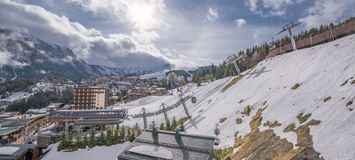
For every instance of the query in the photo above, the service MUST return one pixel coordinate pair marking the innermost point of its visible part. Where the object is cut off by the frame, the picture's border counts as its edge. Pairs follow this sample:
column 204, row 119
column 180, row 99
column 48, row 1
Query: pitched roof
column 169, row 145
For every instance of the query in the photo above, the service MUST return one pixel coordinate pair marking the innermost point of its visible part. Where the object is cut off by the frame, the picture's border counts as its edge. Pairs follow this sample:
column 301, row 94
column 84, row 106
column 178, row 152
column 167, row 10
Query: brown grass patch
column 313, row 122
column 232, row 82
column 304, row 138
column 256, row 120
column 261, row 146
column 327, row 99
column 239, row 120
column 353, row 81
column 266, row 145
column 288, row 155
column 223, row 154
column 290, row 128
column 247, row 110
column 349, row 103
column 272, row 125
column 294, row 87
column 303, row 118
column 182, row 120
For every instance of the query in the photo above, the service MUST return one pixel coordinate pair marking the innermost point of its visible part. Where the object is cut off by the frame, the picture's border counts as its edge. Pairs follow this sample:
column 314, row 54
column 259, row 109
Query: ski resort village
column 177, row 80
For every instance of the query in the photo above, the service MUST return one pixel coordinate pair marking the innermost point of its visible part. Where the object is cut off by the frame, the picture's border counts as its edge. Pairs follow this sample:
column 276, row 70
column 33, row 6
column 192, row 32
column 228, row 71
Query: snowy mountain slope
column 321, row 73
column 25, row 56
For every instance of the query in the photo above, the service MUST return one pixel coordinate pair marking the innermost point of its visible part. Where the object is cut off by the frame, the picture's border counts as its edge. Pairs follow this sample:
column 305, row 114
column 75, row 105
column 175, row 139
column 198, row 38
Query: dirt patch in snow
column 343, row 84
column 290, row 128
column 272, row 124
column 222, row 119
column 241, row 101
column 294, row 87
column 232, row 82
column 247, row 110
column 266, row 145
column 349, row 103
column 303, row 118
column 327, row 99
column 239, row 120
column 313, row 122
column 261, row 145
column 346, row 81
column 256, row 120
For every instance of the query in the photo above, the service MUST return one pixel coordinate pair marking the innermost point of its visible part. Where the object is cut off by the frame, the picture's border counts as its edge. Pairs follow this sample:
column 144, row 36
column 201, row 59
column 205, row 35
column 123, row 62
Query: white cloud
column 116, row 50
column 252, row 4
column 327, row 11
column 212, row 14
column 240, row 22
column 270, row 7
column 141, row 14
column 5, row 55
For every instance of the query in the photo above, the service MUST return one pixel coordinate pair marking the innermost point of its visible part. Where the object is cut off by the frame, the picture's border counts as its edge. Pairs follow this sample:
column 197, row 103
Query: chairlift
column 193, row 98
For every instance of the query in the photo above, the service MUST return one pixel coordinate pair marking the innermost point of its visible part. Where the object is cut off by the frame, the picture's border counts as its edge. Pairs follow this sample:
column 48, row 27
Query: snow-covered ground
column 320, row 71
column 160, row 75
column 18, row 96
column 103, row 152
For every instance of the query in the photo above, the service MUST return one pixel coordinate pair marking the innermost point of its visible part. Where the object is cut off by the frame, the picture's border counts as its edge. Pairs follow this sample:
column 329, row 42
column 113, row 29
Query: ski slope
column 321, row 72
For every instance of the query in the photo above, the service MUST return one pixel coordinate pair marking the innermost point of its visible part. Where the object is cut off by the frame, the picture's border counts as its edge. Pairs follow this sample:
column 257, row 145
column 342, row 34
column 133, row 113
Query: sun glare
column 142, row 15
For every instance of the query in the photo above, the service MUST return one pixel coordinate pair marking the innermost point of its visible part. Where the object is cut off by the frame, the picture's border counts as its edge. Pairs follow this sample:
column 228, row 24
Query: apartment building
column 90, row 98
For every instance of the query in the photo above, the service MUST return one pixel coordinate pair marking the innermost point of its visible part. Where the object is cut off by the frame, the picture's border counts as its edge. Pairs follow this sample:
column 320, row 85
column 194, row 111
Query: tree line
column 112, row 136
column 42, row 99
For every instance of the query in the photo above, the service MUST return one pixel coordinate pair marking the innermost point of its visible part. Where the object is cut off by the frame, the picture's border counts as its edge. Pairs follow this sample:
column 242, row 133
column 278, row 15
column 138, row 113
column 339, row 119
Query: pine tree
column 78, row 142
column 128, row 134
column 162, row 127
column 174, row 124
column 168, row 127
column 182, row 127
column 115, row 137
column 153, row 124
column 101, row 140
column 122, row 134
column 70, row 141
column 109, row 138
column 92, row 141
column 63, row 142
column 132, row 137
column 85, row 142
column 139, row 131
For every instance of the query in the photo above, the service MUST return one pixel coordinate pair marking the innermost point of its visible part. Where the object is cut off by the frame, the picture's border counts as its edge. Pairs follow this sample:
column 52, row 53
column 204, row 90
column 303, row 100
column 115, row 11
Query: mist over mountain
column 25, row 56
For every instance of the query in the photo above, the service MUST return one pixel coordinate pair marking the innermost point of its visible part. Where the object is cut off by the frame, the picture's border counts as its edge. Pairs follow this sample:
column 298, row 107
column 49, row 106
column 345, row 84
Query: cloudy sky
column 185, row 33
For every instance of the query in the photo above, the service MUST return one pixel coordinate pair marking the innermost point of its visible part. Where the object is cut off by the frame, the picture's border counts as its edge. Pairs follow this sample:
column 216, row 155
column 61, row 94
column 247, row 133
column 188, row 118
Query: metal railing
column 329, row 35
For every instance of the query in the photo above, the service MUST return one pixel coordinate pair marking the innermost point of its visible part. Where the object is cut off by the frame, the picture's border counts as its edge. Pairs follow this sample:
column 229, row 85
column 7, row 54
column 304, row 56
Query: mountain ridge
column 25, row 56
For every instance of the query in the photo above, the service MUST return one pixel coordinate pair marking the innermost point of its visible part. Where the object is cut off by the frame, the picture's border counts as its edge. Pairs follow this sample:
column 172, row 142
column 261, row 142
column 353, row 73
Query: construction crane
column 288, row 28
